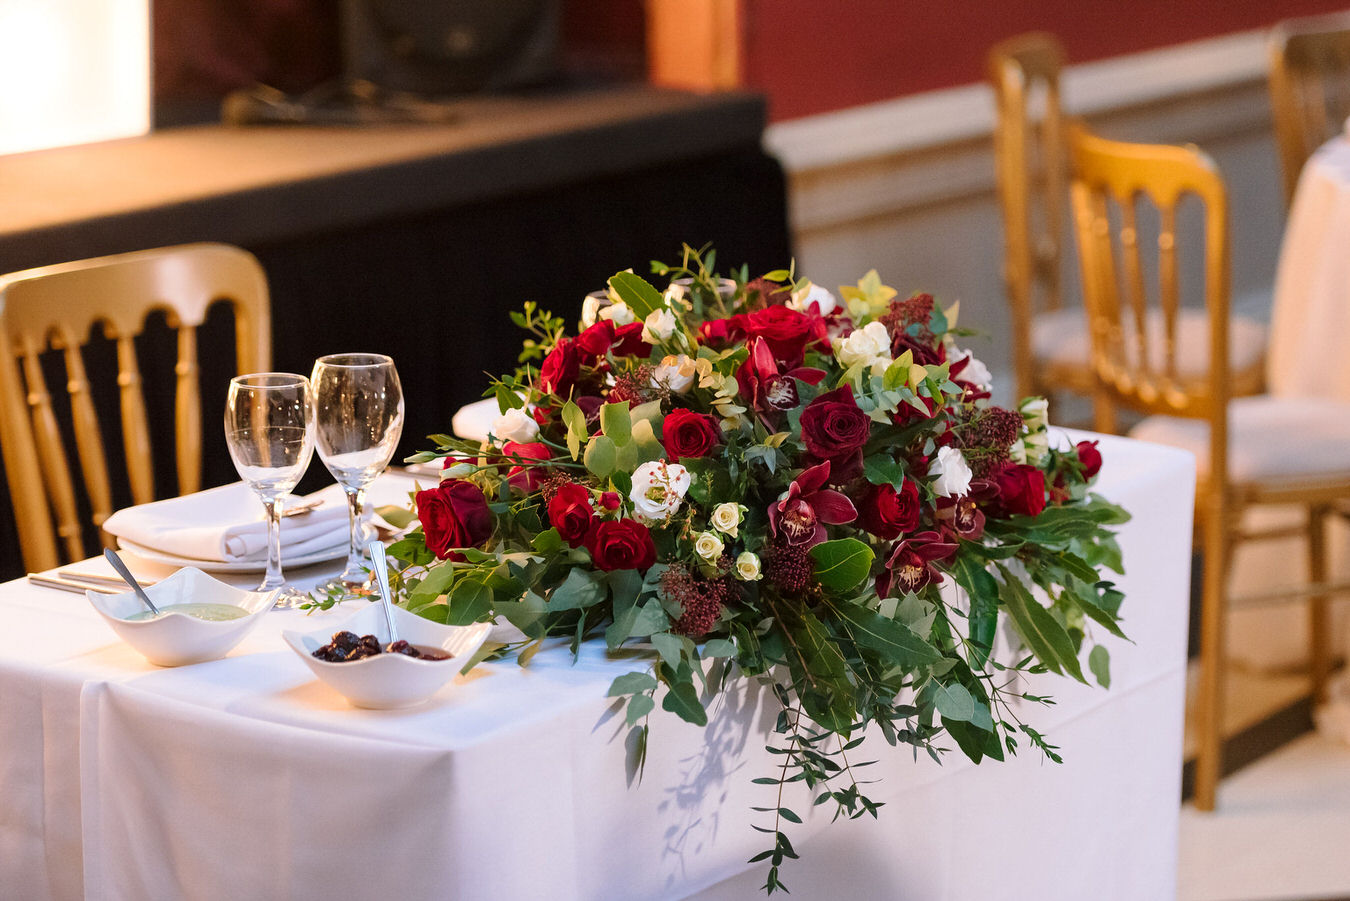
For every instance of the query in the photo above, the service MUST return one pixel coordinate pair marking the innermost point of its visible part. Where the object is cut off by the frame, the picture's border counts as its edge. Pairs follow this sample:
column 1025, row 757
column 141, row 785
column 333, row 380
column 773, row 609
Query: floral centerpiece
column 759, row 480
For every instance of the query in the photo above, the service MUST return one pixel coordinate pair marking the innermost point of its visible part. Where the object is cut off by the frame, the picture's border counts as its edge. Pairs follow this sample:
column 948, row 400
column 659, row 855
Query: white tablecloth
column 245, row 778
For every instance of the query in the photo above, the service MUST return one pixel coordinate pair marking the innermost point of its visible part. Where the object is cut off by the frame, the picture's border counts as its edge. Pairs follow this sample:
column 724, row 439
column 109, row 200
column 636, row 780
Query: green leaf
column 616, row 423
column 682, row 700
column 631, row 684
column 954, row 702
column 1099, row 661
column 601, row 457
column 820, row 670
column 982, row 588
column 547, row 542
column 579, row 590
column 526, row 614
column 650, row 619
column 575, row 420
column 719, row 647
column 396, row 516
column 881, row 469
column 843, row 564
column 638, row 707
column 635, row 291
column 897, row 643
column 974, row 742
column 469, row 602
column 670, row 647
column 1042, row 633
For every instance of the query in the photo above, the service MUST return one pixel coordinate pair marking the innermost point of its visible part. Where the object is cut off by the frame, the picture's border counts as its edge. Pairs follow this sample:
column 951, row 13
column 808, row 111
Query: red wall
column 812, row 56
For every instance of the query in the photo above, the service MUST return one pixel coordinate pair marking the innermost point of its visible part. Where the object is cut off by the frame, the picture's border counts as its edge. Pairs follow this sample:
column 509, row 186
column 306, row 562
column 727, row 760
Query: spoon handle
column 380, row 564
column 117, row 564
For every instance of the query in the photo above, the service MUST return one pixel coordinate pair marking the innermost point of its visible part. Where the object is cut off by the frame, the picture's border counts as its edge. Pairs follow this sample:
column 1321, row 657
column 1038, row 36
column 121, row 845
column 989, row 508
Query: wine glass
column 269, row 428
column 359, row 418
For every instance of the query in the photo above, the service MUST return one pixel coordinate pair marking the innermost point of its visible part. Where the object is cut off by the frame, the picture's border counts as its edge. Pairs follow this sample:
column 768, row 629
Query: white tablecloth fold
column 226, row 524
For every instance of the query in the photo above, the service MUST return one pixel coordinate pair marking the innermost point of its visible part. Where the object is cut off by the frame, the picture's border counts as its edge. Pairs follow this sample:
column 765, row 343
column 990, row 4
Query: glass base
column 290, row 598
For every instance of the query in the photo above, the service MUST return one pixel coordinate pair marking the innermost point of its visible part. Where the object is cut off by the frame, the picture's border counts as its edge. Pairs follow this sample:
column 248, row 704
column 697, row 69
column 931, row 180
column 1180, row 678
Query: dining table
column 244, row 778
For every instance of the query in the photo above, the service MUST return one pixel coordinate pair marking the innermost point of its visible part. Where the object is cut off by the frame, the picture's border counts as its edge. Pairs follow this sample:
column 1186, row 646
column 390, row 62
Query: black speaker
column 440, row 47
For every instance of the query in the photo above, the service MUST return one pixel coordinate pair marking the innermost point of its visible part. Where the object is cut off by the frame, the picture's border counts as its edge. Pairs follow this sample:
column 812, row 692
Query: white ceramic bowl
column 176, row 639
column 390, row 680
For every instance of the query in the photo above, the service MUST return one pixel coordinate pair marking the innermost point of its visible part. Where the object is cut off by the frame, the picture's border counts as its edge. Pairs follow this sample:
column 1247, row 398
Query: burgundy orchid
column 912, row 564
column 799, row 517
column 767, row 388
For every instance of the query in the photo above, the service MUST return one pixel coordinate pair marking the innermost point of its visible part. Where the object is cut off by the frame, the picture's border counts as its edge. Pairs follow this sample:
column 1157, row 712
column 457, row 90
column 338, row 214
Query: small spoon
column 380, row 564
column 126, row 575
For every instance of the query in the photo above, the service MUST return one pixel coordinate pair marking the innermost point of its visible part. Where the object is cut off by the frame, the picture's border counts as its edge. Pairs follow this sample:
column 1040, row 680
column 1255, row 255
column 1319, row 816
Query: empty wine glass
column 359, row 418
column 269, row 428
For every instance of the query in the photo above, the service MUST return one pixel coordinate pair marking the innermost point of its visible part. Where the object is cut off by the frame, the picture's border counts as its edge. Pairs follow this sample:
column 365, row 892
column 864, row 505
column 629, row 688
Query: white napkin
column 226, row 524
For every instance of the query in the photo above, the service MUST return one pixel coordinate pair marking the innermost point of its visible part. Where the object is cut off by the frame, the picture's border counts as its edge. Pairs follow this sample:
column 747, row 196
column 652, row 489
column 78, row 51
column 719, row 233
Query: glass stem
column 355, row 573
column 273, row 579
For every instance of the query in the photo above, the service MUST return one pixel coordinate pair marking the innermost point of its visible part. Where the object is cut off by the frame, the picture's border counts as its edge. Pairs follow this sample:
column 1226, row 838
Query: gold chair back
column 1029, row 157
column 1309, row 88
column 56, row 308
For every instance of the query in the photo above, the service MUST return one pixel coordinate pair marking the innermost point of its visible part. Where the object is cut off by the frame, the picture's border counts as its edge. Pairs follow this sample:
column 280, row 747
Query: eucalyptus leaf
column 638, row 707
column 1099, row 661
column 601, row 457
column 682, row 700
column 616, row 423
column 631, row 684
column 954, row 702
column 670, row 647
column 1041, row 632
column 898, row 644
column 581, row 589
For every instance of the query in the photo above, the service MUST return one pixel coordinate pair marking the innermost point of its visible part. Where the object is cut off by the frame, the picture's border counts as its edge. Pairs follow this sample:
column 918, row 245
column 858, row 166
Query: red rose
column 718, row 333
column 1090, row 457
column 688, row 434
column 1021, row 489
column 527, row 471
column 832, row 425
column 621, row 544
column 610, row 500
column 454, row 514
column 628, row 341
column 596, row 340
column 570, row 513
column 560, row 369
column 888, row 513
column 786, row 331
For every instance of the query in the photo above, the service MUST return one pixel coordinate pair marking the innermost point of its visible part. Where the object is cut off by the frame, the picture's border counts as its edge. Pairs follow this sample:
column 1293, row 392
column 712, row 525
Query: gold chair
column 1249, row 450
column 1309, row 88
column 56, row 308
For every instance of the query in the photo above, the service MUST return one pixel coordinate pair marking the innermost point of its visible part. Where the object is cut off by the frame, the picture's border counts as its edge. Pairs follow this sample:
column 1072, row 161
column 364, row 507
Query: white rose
column 726, row 518
column 676, row 373
column 864, row 345
column 618, row 313
column 590, row 308
column 658, row 326
column 1034, row 412
column 675, row 294
column 1017, row 451
column 1037, row 446
column 953, row 474
column 747, row 567
column 658, row 489
column 826, row 303
column 515, row 425
column 708, row 545
column 975, row 372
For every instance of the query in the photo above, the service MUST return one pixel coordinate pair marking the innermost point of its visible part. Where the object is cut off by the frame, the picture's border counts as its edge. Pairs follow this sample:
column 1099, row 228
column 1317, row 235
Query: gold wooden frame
column 1113, row 174
column 57, row 307
column 1309, row 88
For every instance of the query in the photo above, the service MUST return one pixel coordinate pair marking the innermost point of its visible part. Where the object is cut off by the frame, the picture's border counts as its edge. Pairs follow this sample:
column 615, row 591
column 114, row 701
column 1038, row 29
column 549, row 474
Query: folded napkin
column 226, row 524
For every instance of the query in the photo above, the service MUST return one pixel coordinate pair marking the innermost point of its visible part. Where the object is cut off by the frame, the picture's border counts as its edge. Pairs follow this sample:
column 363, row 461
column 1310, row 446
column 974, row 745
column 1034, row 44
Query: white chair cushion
column 1269, row 438
column 1061, row 338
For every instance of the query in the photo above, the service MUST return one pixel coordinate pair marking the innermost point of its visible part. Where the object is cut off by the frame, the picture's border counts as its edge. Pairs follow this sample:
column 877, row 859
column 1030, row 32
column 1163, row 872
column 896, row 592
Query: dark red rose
column 610, row 500
column 786, row 331
column 888, row 513
column 527, row 469
column 926, row 352
column 560, row 369
column 718, row 333
column 571, row 514
column 688, row 434
column 621, row 544
column 595, row 341
column 1090, row 457
column 454, row 514
column 1021, row 489
column 628, row 341
column 832, row 425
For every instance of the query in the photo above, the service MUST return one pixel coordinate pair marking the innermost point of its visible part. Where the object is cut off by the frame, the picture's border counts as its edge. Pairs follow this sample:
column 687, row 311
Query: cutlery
column 117, row 564
column 63, row 585
column 380, row 565
column 98, row 578
column 301, row 509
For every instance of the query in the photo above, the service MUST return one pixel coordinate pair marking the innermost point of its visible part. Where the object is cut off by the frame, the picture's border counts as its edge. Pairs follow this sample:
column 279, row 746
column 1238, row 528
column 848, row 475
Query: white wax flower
column 658, row 326
column 726, row 518
column 866, row 345
column 515, row 425
column 676, row 373
column 708, row 545
column 658, row 489
column 747, row 567
column 1037, row 446
column 952, row 471
column 1035, row 413
column 826, row 303
column 618, row 313
column 590, row 311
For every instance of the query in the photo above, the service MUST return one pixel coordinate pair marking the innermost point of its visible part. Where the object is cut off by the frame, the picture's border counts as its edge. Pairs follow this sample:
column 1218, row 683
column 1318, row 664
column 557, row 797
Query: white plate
column 337, row 552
